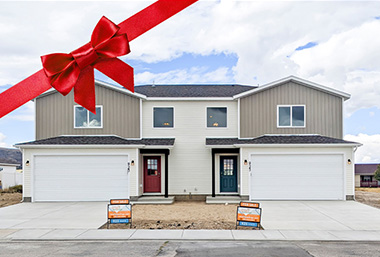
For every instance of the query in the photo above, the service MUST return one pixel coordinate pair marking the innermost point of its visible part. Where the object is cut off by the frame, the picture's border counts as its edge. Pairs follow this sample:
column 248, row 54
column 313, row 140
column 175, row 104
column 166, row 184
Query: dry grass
column 369, row 189
column 9, row 198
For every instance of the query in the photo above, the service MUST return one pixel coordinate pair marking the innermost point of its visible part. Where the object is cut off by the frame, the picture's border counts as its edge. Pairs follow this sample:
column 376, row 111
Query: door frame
column 161, row 165
column 217, row 174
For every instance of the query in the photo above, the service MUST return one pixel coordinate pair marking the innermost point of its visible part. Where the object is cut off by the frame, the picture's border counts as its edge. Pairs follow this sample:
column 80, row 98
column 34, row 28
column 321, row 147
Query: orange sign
column 119, row 211
column 249, row 214
column 120, row 201
column 249, row 204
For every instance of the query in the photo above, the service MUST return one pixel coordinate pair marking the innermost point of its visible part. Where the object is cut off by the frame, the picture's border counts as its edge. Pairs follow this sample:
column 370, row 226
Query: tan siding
column 121, row 115
column 258, row 113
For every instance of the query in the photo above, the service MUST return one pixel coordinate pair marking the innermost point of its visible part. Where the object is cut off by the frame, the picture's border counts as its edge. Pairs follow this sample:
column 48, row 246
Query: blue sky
column 244, row 42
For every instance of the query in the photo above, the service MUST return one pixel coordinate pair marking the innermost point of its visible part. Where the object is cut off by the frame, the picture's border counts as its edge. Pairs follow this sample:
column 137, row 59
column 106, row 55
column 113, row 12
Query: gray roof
column 283, row 139
column 368, row 169
column 192, row 90
column 10, row 156
column 99, row 140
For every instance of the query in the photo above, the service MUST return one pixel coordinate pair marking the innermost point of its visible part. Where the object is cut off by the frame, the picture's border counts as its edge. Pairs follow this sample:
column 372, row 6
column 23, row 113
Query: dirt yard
column 182, row 215
column 7, row 199
column 369, row 196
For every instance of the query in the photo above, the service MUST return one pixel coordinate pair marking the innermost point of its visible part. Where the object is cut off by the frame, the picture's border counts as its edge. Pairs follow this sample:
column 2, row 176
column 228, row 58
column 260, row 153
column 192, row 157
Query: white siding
column 347, row 151
column 190, row 160
column 29, row 153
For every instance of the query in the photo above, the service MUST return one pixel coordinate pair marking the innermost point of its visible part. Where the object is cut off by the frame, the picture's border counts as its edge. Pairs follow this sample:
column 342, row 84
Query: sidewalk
column 222, row 235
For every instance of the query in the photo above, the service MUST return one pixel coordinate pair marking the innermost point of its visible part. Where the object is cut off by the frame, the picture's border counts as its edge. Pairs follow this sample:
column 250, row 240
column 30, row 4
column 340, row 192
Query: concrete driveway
column 65, row 215
column 276, row 215
column 319, row 215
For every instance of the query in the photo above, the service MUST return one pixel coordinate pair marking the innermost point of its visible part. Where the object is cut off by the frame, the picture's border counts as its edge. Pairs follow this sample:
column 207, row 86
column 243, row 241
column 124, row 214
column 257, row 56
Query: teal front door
column 228, row 174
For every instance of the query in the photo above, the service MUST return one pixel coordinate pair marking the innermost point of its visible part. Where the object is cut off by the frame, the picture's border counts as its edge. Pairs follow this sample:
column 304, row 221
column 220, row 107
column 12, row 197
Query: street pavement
column 189, row 248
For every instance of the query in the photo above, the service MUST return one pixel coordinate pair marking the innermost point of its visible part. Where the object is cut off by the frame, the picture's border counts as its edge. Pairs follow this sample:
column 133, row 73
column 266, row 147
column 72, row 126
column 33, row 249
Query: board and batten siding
column 190, row 161
column 121, row 115
column 258, row 112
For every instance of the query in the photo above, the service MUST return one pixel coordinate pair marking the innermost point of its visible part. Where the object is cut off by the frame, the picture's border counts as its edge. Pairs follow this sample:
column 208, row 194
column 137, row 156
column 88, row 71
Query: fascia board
column 78, row 146
column 294, row 145
column 189, row 99
column 346, row 96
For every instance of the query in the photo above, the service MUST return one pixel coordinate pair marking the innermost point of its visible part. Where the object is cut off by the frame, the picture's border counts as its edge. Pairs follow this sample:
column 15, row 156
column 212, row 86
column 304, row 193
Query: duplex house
column 280, row 141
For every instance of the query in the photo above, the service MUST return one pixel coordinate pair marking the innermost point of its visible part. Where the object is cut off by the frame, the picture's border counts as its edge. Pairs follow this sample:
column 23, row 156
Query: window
column 163, row 117
column 86, row 119
column 291, row 116
column 216, row 117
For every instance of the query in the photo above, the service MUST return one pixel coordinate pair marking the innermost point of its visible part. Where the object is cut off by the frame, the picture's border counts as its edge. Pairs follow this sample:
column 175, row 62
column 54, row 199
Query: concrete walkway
column 282, row 220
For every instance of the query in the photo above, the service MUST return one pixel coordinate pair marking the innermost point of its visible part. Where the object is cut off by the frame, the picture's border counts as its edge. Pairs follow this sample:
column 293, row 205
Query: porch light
column 27, row 163
column 349, row 161
column 132, row 163
column 245, row 162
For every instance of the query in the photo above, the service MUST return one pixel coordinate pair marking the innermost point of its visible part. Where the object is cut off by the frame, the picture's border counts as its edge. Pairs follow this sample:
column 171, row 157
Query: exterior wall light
column 132, row 163
column 349, row 161
column 27, row 163
column 245, row 162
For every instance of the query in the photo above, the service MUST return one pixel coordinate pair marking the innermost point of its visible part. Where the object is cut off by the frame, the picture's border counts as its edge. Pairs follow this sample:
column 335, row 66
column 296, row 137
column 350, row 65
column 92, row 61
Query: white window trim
column 291, row 114
column 101, row 118
column 207, row 117
column 153, row 117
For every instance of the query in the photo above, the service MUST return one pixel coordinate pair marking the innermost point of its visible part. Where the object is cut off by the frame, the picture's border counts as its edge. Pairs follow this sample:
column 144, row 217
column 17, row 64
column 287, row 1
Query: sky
column 335, row 44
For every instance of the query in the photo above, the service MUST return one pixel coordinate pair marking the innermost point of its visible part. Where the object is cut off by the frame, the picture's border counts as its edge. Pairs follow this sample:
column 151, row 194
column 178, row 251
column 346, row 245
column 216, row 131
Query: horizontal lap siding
column 189, row 159
column 121, row 115
column 258, row 112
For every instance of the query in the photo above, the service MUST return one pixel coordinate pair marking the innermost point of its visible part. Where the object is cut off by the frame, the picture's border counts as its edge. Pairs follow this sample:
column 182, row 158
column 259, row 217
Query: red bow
column 76, row 70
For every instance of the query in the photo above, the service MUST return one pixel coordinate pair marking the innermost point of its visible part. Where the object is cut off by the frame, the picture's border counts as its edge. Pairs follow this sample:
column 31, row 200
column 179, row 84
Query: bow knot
column 76, row 70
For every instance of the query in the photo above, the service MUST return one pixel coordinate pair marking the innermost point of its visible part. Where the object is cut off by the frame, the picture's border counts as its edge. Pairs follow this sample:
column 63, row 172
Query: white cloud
column 369, row 151
column 194, row 75
column 2, row 138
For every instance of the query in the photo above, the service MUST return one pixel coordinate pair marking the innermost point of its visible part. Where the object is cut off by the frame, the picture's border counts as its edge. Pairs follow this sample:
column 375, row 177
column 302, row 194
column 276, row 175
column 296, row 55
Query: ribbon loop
column 85, row 56
column 75, row 70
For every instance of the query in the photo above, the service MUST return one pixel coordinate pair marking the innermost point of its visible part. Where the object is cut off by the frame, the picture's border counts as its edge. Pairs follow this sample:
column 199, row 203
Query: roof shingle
column 99, row 140
column 192, row 90
column 274, row 139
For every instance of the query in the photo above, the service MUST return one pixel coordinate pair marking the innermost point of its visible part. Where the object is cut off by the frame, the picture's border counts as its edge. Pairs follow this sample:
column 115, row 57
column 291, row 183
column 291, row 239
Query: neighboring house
column 10, row 162
column 280, row 141
column 364, row 175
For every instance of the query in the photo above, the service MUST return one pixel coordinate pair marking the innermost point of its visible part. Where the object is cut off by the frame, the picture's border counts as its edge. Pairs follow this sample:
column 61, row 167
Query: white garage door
column 297, row 177
column 80, row 178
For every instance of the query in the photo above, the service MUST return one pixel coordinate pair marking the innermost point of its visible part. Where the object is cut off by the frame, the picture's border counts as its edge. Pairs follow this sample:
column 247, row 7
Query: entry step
column 154, row 200
column 224, row 199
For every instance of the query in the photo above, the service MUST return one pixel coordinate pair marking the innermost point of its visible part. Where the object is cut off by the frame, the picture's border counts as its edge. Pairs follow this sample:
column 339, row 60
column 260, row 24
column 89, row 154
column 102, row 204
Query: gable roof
column 191, row 90
column 368, row 168
column 98, row 140
column 102, row 84
column 297, row 80
column 278, row 139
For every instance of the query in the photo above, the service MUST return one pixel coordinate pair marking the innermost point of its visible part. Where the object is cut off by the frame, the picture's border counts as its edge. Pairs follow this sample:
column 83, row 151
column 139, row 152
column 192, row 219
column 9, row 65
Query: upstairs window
column 216, row 117
column 86, row 119
column 291, row 116
column 163, row 117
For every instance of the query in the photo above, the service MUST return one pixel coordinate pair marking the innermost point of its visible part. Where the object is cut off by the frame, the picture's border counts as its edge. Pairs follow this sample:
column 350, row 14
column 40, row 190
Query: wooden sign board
column 249, row 214
column 119, row 211
column 250, row 204
column 119, row 201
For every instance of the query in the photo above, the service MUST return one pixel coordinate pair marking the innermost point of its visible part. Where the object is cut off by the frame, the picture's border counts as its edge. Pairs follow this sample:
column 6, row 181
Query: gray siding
column 258, row 112
column 121, row 115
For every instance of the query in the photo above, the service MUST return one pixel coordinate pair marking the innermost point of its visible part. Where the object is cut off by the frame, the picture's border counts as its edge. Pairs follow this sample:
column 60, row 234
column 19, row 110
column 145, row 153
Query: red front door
column 152, row 174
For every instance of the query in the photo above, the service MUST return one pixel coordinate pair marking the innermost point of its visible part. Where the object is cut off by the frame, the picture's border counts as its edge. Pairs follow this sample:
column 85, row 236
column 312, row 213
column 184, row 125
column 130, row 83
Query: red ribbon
column 76, row 70
column 65, row 71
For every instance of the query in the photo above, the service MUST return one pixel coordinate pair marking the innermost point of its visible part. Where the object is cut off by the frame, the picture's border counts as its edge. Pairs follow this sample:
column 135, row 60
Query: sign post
column 119, row 211
column 248, row 214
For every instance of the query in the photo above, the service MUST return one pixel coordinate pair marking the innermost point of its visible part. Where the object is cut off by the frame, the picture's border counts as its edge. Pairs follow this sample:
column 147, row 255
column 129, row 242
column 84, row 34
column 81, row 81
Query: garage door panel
column 297, row 177
column 80, row 178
